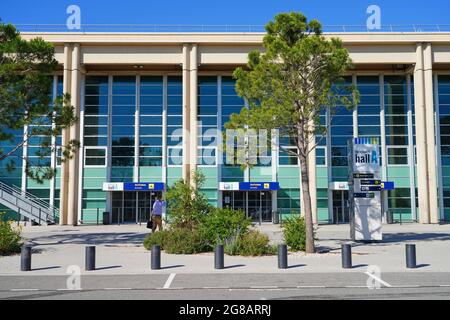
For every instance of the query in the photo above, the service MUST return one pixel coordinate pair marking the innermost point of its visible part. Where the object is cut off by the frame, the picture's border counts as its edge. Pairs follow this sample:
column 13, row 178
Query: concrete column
column 74, row 135
column 193, row 108
column 421, row 138
column 186, row 113
column 430, row 132
column 65, row 139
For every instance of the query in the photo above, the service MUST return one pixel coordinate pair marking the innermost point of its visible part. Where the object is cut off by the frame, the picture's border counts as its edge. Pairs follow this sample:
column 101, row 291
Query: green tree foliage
column 186, row 205
column 26, row 70
column 290, row 85
column 10, row 240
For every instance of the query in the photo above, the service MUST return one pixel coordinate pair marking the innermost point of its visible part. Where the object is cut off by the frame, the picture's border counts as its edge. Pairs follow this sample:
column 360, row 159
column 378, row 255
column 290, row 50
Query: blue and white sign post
column 365, row 190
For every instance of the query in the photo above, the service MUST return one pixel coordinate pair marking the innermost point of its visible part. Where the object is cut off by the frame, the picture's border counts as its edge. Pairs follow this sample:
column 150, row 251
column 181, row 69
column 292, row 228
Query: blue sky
column 257, row 12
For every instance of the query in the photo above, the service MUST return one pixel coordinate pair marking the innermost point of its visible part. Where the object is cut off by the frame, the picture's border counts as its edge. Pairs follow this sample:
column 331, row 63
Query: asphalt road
column 406, row 285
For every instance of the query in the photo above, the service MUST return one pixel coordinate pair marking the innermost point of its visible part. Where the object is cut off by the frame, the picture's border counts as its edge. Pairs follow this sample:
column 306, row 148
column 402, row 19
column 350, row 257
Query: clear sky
column 208, row 12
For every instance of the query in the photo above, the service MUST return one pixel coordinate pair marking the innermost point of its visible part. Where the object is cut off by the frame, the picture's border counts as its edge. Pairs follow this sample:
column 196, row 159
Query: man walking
column 157, row 214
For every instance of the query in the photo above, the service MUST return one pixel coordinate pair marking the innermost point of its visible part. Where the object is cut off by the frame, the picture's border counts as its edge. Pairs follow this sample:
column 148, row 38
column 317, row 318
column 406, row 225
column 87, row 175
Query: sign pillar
column 365, row 189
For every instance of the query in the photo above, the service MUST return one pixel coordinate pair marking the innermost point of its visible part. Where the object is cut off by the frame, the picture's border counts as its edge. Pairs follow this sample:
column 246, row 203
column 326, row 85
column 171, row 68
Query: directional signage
column 364, row 195
column 249, row 186
column 133, row 186
column 363, row 175
column 387, row 185
column 371, row 182
column 370, row 188
column 365, row 189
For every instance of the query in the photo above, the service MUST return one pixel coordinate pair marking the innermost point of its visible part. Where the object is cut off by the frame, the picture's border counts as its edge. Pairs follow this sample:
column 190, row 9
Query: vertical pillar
column 193, row 108
column 411, row 154
column 421, row 139
column 73, row 167
column 186, row 112
column 65, row 139
column 430, row 126
column 384, row 157
column 136, row 172
column 164, row 133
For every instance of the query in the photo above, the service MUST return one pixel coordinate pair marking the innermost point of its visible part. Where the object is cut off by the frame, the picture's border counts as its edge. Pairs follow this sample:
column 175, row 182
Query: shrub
column 221, row 224
column 294, row 230
column 10, row 241
column 184, row 241
column 186, row 205
column 250, row 243
column 156, row 238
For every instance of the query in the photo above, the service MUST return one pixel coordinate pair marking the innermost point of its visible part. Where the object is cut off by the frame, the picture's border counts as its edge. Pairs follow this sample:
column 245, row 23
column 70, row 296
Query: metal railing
column 25, row 206
column 54, row 211
column 177, row 28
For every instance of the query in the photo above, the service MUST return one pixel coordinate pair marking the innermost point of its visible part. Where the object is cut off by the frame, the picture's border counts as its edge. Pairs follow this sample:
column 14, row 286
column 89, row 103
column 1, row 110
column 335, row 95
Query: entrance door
column 132, row 206
column 256, row 204
column 341, row 207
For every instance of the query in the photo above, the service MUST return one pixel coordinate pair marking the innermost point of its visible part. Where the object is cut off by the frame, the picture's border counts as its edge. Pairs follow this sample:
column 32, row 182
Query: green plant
column 294, row 230
column 10, row 240
column 221, row 224
column 250, row 243
column 186, row 205
column 156, row 238
column 184, row 241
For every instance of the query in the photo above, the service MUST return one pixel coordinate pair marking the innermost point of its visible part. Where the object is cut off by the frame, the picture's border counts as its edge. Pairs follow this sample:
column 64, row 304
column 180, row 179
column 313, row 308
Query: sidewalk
column 120, row 251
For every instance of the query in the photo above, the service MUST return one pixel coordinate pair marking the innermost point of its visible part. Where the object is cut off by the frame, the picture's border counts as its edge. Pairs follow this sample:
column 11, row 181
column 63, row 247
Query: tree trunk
column 310, row 247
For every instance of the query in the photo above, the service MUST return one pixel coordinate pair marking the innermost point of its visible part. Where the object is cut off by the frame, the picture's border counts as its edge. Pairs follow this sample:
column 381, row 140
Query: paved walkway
column 120, row 251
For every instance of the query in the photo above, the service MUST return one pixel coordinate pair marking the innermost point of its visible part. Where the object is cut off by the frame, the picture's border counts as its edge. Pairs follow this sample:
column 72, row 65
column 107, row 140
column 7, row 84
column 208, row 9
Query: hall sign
column 249, row 186
column 365, row 187
column 133, row 186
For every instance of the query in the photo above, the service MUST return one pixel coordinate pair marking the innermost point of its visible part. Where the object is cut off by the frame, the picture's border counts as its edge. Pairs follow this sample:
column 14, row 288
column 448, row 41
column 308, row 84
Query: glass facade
column 132, row 131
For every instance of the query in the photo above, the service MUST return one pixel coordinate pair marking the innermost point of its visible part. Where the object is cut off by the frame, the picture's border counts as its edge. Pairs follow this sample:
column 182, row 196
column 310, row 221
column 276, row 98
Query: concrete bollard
column 346, row 256
column 90, row 258
column 282, row 256
column 156, row 257
column 25, row 258
column 411, row 256
column 219, row 257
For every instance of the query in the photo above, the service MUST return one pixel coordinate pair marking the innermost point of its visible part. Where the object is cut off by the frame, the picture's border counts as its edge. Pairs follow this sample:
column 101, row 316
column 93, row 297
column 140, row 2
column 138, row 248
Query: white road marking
column 378, row 279
column 24, row 289
column 118, row 289
column 169, row 281
column 444, row 285
column 264, row 287
column 307, row 287
column 65, row 289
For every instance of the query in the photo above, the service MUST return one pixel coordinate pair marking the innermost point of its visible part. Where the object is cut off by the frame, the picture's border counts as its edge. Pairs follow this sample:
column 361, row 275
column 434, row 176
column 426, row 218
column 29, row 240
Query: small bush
column 156, row 238
column 10, row 241
column 221, row 224
column 183, row 241
column 294, row 230
column 250, row 243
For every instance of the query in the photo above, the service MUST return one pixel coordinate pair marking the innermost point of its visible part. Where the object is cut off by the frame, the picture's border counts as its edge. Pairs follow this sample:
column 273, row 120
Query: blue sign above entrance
column 143, row 186
column 249, row 186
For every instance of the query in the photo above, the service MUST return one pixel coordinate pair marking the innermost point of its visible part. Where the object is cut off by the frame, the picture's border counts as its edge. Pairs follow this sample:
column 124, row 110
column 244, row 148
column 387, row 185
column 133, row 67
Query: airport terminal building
column 151, row 107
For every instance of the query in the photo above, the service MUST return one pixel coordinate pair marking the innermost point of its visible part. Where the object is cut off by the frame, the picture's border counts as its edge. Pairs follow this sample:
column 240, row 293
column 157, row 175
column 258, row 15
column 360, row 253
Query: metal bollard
column 346, row 256
column 25, row 258
column 411, row 256
column 90, row 258
column 156, row 257
column 282, row 256
column 218, row 257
